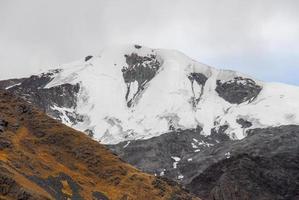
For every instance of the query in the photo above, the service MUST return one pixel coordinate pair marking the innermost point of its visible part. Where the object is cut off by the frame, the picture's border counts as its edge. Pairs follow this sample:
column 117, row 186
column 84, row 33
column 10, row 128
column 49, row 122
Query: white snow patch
column 63, row 111
column 176, row 161
column 194, row 146
column 127, row 144
column 162, row 173
column 205, row 144
column 180, row 177
column 11, row 86
column 227, row 155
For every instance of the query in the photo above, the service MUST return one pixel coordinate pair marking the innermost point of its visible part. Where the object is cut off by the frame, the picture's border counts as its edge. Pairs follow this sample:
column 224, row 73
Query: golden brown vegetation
column 41, row 158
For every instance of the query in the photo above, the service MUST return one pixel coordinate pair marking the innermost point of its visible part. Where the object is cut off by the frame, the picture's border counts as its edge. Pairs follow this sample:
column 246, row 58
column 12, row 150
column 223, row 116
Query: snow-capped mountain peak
column 134, row 92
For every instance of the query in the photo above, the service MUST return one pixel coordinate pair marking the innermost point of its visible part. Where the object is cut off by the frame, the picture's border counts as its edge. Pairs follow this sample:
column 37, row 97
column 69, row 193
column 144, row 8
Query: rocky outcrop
column 10, row 189
column 200, row 79
column 3, row 125
column 244, row 123
column 137, row 46
column 55, row 101
column 140, row 69
column 99, row 196
column 61, row 186
column 238, row 90
column 4, row 143
column 87, row 58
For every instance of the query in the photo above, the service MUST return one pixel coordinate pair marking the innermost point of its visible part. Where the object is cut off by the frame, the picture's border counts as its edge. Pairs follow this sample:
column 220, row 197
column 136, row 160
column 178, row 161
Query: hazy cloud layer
column 258, row 37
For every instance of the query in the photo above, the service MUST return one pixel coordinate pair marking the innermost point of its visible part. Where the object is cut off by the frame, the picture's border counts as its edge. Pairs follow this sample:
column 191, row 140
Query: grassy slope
column 35, row 149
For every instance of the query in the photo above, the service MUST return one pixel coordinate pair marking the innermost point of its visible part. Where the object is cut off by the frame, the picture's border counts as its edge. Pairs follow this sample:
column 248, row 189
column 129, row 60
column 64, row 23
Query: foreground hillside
column 43, row 159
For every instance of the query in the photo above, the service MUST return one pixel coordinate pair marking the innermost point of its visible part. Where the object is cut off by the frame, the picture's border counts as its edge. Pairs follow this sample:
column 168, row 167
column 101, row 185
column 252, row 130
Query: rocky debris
column 57, row 139
column 6, row 183
column 23, row 109
column 15, row 126
column 238, row 90
column 55, row 187
column 244, row 123
column 99, row 196
column 140, row 69
column 124, row 197
column 87, row 58
column 85, row 153
column 264, row 165
column 3, row 125
column 39, row 134
column 159, row 184
column 4, row 143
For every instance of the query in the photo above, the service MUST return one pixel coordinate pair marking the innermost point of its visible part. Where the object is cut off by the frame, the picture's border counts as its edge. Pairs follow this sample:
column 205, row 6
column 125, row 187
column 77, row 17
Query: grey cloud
column 259, row 37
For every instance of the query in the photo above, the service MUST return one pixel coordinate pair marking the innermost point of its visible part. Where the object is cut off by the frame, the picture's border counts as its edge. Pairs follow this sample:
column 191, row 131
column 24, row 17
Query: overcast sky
column 257, row 37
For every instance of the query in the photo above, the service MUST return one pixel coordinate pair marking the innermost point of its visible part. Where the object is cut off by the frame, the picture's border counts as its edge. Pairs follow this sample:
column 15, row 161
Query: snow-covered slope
column 134, row 92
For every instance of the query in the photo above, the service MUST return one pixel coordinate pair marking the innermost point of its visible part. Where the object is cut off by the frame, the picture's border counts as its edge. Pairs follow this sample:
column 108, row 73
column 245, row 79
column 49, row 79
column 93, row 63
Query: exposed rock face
column 238, row 90
column 3, row 125
column 87, row 58
column 137, row 46
column 55, row 101
column 158, row 155
column 56, row 185
column 99, row 196
column 10, row 82
column 244, row 123
column 140, row 69
column 4, row 143
column 264, row 165
column 199, row 79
